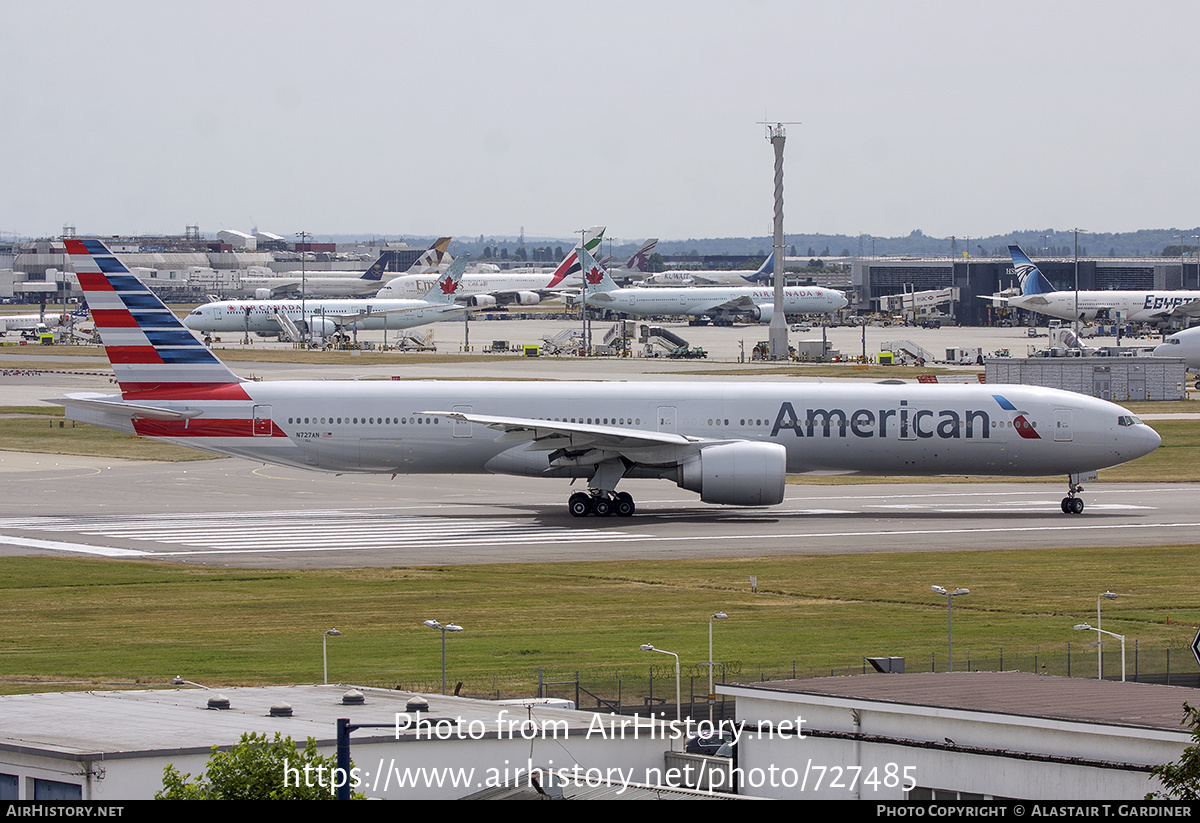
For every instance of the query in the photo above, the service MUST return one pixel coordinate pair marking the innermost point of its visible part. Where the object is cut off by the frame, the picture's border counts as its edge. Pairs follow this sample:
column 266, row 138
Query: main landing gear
column 1072, row 504
column 601, row 503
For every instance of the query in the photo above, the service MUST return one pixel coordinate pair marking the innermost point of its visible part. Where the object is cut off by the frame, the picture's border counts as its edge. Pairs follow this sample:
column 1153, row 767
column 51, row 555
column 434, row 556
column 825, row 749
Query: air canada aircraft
column 333, row 315
column 1038, row 295
column 732, row 443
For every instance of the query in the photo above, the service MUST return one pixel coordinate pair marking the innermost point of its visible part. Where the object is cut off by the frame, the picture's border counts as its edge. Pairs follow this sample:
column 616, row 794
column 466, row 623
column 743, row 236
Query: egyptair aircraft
column 334, row 315
column 1038, row 295
column 733, row 443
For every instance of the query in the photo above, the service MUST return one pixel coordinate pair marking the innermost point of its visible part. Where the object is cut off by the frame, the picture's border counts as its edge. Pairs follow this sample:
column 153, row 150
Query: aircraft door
column 461, row 427
column 262, row 424
column 1062, row 424
column 666, row 419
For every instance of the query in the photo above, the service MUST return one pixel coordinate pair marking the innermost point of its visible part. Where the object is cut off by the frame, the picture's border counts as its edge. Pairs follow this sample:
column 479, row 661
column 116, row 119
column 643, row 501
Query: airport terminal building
column 873, row 278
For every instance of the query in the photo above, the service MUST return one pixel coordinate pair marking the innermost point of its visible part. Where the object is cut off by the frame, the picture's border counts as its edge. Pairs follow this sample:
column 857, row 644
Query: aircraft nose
column 1153, row 440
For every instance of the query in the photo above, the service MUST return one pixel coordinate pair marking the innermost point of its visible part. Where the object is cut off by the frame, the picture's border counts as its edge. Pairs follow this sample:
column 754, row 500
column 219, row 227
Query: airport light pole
column 646, row 647
column 949, row 621
column 1076, row 230
column 1084, row 627
column 712, row 697
column 449, row 627
column 325, row 653
column 303, row 235
column 1099, row 641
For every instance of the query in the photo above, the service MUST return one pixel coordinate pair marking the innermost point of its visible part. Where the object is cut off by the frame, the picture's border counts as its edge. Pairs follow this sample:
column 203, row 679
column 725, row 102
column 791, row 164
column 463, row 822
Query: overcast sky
column 471, row 118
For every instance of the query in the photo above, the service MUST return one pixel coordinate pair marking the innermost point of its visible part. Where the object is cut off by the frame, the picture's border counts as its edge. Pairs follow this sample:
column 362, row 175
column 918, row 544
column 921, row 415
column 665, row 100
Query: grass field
column 117, row 622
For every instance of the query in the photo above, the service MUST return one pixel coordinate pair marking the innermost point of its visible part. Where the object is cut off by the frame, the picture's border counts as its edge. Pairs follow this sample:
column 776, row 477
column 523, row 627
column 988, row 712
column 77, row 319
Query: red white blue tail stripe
column 151, row 351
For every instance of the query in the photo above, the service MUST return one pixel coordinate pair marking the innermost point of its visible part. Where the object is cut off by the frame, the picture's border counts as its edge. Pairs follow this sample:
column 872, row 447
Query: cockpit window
column 1128, row 420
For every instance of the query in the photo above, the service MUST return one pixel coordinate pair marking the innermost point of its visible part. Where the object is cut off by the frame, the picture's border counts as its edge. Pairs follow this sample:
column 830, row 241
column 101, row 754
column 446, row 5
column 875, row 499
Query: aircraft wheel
column 580, row 505
column 1076, row 505
column 1066, row 505
column 602, row 507
column 625, row 507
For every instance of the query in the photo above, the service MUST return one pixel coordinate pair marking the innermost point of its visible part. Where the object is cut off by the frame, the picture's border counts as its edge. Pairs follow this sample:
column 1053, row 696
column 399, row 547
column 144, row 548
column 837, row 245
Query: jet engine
column 262, row 294
column 528, row 298
column 763, row 312
column 482, row 301
column 322, row 327
column 737, row 474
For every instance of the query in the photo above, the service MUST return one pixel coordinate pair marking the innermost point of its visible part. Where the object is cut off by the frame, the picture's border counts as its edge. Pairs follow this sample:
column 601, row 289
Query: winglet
column 149, row 348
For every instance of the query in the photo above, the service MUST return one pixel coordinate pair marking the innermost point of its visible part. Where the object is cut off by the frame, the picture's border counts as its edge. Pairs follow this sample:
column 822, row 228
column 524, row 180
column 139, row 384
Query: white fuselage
column 715, row 301
column 913, row 430
column 322, row 284
column 1109, row 306
column 1185, row 344
column 322, row 315
column 416, row 285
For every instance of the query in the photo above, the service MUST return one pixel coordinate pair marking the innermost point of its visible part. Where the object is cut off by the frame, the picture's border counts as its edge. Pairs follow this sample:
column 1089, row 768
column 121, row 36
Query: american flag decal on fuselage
column 150, row 349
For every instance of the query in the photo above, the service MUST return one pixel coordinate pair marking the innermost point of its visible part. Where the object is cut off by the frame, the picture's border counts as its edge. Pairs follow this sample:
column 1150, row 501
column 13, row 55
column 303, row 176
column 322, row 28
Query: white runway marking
column 272, row 532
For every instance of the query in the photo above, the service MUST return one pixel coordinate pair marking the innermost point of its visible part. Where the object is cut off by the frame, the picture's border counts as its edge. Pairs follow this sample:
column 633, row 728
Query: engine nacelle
column 737, row 474
column 763, row 312
column 482, row 301
column 528, row 298
column 322, row 327
column 262, row 294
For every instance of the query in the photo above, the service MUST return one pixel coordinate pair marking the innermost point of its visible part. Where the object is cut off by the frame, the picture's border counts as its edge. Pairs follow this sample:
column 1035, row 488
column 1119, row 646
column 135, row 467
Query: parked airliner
column 503, row 288
column 733, row 443
column 337, row 283
column 1185, row 344
column 723, row 304
column 682, row 277
column 1037, row 295
column 334, row 315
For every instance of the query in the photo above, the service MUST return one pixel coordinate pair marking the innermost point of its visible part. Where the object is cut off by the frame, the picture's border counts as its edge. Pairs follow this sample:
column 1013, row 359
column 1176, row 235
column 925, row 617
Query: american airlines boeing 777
column 733, row 443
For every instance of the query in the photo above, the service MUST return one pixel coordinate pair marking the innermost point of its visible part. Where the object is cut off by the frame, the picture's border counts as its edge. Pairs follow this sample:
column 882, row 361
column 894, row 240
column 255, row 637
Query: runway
column 240, row 514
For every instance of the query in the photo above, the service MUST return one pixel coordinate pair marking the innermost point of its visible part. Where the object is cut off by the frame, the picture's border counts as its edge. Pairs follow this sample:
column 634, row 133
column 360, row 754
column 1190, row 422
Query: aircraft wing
column 347, row 319
column 580, row 443
column 739, row 305
column 1191, row 309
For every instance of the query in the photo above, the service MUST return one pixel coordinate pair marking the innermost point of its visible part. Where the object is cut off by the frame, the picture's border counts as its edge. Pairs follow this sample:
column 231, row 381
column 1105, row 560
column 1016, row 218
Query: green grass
column 90, row 621
column 43, row 430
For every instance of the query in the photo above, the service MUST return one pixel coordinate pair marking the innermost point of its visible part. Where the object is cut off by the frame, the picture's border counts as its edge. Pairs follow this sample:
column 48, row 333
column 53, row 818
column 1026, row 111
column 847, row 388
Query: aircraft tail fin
column 375, row 272
column 431, row 258
column 151, row 351
column 641, row 258
column 594, row 275
column 1032, row 280
column 570, row 264
column 446, row 288
column 764, row 272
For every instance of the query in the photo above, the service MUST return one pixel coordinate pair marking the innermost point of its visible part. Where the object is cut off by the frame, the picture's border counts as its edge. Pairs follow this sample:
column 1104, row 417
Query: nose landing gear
column 1072, row 504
